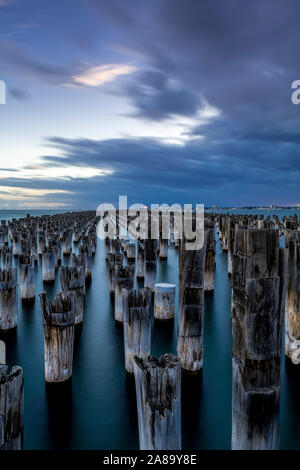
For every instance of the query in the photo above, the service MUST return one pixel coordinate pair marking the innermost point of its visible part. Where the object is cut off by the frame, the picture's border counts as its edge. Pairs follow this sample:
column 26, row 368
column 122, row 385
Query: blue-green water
column 98, row 411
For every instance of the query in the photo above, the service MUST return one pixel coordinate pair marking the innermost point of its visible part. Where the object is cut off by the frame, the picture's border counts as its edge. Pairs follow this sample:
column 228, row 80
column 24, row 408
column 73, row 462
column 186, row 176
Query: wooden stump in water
column 67, row 242
column 140, row 261
column 113, row 260
column 73, row 279
column 158, row 393
column 16, row 244
column 124, row 279
column 41, row 243
column 258, row 296
column 163, row 249
column 8, row 299
column 130, row 250
column 232, row 226
column 2, row 352
column 292, row 310
column 58, row 322
column 6, row 257
column 164, row 301
column 190, row 310
column 11, row 407
column 86, row 252
column 150, row 259
column 210, row 261
column 136, row 323
column 48, row 265
column 27, row 285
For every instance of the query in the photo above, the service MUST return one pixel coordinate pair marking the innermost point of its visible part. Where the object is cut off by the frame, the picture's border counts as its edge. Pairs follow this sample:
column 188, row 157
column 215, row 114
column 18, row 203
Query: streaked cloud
column 17, row 193
column 97, row 76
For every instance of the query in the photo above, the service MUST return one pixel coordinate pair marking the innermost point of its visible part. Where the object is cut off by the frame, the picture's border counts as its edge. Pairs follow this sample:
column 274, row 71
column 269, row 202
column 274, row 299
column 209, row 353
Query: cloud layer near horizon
column 215, row 76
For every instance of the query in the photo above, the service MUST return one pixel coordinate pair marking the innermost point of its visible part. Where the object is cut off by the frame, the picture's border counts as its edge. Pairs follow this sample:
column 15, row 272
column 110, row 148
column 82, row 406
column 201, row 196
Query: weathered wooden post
column 67, row 242
column 41, row 243
column 86, row 251
column 2, row 352
column 2, row 238
column 150, row 258
column 8, row 299
column 48, row 265
column 164, row 234
column 16, row 244
column 258, row 296
column 261, row 222
column 210, row 261
column 164, row 301
column 292, row 310
column 130, row 251
column 190, row 311
column 6, row 257
column 73, row 279
column 158, row 392
column 27, row 285
column 11, row 407
column 232, row 226
column 140, row 261
column 124, row 279
column 113, row 260
column 58, row 322
column 136, row 323
column 223, row 232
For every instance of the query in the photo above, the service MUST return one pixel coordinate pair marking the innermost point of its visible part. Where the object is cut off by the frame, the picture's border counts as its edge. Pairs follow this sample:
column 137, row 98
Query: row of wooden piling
column 47, row 238
column 265, row 285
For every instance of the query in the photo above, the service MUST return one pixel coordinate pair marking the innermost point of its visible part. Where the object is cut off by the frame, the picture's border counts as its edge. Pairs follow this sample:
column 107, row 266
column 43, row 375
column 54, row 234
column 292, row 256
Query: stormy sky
column 165, row 101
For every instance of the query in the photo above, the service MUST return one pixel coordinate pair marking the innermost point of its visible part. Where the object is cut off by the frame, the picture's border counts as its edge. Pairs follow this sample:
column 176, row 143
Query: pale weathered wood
column 210, row 261
column 150, row 262
column 136, row 325
column 58, row 322
column 27, row 284
column 8, row 299
column 292, row 315
column 11, row 407
column 164, row 301
column 190, row 311
column 113, row 260
column 6, row 257
column 158, row 392
column 124, row 279
column 258, row 295
column 140, row 261
column 48, row 265
column 73, row 279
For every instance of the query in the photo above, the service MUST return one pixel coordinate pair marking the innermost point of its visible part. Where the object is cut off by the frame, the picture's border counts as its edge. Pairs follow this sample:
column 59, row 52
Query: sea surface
column 98, row 409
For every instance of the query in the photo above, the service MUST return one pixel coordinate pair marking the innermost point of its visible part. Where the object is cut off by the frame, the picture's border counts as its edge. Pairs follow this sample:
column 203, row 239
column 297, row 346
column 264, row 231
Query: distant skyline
column 164, row 101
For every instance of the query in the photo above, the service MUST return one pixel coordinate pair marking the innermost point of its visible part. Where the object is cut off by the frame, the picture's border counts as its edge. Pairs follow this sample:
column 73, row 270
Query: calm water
column 98, row 410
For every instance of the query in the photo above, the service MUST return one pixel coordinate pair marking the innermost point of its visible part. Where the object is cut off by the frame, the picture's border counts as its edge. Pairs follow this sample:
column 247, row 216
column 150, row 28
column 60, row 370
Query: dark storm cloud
column 240, row 57
column 203, row 170
column 156, row 98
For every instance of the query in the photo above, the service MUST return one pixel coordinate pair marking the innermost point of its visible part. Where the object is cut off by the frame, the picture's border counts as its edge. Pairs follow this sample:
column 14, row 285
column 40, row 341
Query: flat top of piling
column 164, row 286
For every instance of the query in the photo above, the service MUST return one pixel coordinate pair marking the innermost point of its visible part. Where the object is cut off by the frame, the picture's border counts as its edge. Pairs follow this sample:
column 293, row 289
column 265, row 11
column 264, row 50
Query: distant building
column 273, row 206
